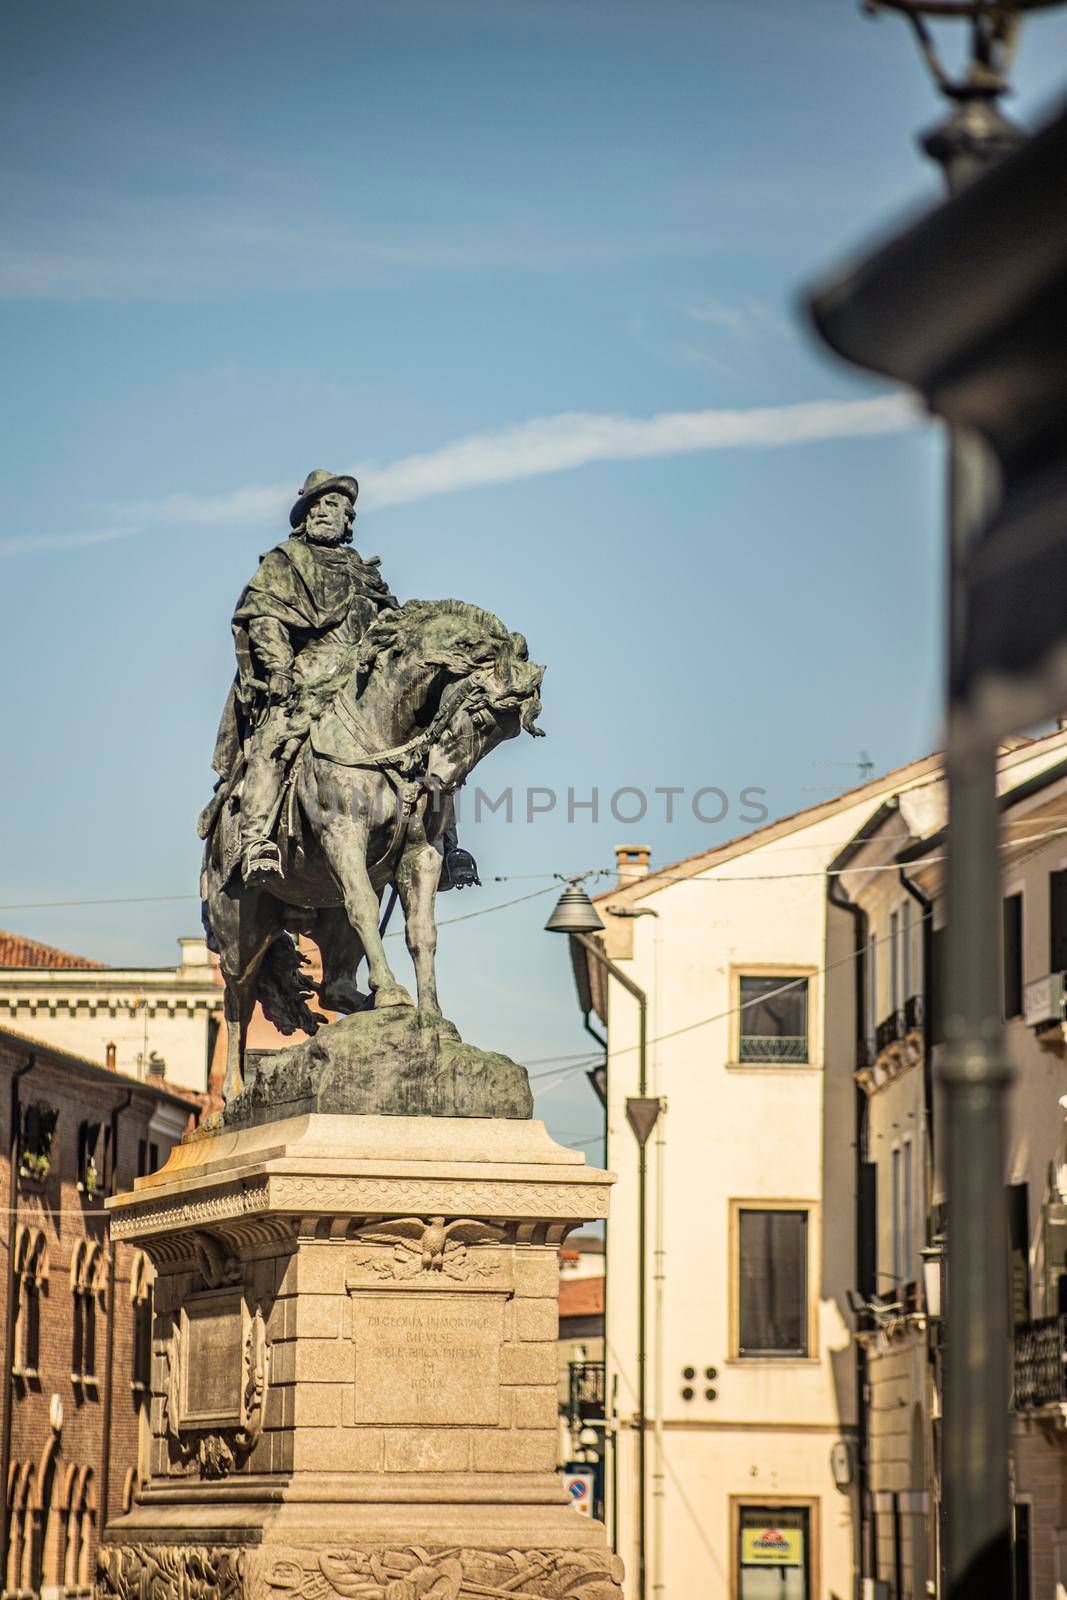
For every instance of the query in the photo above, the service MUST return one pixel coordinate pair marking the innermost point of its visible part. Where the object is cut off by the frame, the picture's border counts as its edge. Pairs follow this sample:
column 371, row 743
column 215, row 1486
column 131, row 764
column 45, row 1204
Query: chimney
column 632, row 862
column 109, row 1058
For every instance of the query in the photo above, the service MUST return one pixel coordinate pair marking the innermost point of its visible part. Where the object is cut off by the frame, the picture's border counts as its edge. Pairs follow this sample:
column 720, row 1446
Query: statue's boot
column 261, row 859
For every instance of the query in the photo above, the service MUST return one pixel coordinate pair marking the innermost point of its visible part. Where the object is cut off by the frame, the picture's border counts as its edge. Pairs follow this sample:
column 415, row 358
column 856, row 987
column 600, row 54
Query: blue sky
column 531, row 268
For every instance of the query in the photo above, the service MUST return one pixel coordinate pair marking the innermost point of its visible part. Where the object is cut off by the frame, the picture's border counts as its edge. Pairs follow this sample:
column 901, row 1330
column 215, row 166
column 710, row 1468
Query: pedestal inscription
column 213, row 1333
column 427, row 1358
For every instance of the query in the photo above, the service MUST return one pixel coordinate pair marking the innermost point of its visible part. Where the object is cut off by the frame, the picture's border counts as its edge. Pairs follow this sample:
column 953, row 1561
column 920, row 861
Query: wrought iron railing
column 586, row 1389
column 773, row 1047
column 1040, row 1356
column 889, row 1030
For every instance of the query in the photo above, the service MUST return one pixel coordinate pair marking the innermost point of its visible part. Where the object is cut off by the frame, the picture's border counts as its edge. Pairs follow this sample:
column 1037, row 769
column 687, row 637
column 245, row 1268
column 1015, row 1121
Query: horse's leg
column 237, row 1010
column 243, row 923
column 416, row 881
column 344, row 844
column 342, row 951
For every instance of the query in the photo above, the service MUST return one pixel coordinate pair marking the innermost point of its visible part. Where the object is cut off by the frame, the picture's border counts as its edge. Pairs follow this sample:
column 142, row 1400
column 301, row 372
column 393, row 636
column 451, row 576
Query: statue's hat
column 315, row 485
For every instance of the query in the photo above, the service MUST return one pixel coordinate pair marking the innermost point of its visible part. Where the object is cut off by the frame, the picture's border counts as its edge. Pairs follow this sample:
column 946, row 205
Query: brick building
column 75, row 1310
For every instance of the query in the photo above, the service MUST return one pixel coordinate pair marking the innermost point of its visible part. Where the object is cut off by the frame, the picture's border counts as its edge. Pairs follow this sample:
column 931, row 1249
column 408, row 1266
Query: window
column 905, row 948
column 907, row 1215
column 31, row 1269
column 894, row 961
column 1013, row 956
column 773, row 1552
column 90, row 1158
column 895, row 1166
column 141, row 1296
column 147, row 1157
column 774, row 1019
column 872, row 991
column 903, row 1214
column 935, row 986
column 1018, row 1202
column 1057, row 933
column 85, row 1274
column 1020, row 1550
column 772, row 1281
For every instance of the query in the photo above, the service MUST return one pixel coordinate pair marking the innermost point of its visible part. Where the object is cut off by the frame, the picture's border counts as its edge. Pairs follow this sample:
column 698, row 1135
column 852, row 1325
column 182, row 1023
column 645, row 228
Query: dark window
column 1013, row 955
column 773, row 1283
column 1057, row 890
column 90, row 1160
column 773, row 1555
column 142, row 1344
column 935, row 986
column 774, row 1019
column 147, row 1157
column 1018, row 1199
column 868, row 1231
column 1020, row 1551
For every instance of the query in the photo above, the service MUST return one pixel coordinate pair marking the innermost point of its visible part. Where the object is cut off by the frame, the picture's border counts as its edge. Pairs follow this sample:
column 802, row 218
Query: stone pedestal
column 355, row 1366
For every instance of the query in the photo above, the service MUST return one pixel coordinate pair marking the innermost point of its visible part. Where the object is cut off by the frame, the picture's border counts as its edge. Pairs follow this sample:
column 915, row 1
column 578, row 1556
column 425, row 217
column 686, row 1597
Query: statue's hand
column 279, row 687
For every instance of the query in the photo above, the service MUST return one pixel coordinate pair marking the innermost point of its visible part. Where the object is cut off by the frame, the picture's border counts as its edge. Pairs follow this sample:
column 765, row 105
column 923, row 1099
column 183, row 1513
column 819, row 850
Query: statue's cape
column 301, row 586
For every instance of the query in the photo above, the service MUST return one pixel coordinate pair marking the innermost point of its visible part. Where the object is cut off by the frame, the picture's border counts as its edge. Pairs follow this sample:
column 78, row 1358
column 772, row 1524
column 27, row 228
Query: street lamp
column 924, row 347
column 575, row 915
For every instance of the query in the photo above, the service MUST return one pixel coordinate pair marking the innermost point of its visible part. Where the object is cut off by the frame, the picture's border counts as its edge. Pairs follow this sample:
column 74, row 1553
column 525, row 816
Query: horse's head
column 474, row 679
column 495, row 702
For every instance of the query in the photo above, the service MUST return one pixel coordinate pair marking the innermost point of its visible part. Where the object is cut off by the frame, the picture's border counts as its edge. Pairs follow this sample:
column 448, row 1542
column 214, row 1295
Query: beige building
column 892, row 877
column 160, row 1021
column 750, row 1488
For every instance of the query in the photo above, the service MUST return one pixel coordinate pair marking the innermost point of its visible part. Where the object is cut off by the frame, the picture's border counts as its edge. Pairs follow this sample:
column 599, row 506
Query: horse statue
column 429, row 690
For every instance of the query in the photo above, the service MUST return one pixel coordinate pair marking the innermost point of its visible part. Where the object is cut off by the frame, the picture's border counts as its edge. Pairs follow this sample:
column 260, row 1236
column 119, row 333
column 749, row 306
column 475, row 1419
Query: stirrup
column 260, row 859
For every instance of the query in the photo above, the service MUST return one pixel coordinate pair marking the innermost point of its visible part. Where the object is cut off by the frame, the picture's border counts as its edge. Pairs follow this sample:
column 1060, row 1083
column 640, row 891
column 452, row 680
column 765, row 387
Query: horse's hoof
column 396, row 996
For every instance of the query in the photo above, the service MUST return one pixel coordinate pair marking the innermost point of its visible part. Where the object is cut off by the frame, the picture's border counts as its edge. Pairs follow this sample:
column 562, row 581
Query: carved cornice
column 451, row 1197
column 134, row 1220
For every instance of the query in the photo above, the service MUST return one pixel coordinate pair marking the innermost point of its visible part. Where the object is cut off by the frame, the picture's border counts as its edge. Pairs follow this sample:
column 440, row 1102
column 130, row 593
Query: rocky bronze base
column 395, row 1062
column 403, row 1572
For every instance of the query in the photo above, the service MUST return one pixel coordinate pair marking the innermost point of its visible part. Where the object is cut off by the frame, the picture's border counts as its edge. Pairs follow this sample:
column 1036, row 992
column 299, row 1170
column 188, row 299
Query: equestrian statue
column 351, row 723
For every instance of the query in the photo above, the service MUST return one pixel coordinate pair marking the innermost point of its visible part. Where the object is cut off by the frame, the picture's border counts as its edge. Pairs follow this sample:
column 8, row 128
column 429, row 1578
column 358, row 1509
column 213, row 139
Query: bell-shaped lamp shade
column 574, row 913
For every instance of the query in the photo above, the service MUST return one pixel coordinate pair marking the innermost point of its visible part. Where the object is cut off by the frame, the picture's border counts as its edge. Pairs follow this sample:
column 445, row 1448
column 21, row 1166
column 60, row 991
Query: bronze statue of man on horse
column 350, row 725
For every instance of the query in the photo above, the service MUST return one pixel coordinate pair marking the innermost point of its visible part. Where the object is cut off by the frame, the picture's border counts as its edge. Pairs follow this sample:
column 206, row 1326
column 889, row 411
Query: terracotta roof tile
column 16, row 951
column 581, row 1297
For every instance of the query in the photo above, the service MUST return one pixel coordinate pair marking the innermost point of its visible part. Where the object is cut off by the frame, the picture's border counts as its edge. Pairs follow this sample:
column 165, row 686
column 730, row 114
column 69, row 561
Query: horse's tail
column 284, row 988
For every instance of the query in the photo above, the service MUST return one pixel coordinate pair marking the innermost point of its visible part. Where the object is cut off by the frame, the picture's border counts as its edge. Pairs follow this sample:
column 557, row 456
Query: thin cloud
column 529, row 450
column 575, row 439
column 32, row 544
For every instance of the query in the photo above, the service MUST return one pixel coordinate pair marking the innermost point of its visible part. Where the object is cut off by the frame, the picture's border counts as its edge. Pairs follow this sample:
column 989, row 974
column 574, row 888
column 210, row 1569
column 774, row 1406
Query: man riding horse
column 311, row 601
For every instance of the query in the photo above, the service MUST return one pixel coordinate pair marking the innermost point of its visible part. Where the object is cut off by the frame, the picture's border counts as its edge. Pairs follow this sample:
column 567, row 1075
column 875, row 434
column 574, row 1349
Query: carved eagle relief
column 427, row 1245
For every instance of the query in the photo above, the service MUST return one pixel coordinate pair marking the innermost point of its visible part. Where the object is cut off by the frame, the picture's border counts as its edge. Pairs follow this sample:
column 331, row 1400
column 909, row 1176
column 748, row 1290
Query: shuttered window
column 773, row 1282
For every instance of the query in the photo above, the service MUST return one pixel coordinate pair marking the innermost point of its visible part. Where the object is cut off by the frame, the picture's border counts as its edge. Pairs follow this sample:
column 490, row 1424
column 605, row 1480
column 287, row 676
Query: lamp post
column 575, row 915
column 975, row 1071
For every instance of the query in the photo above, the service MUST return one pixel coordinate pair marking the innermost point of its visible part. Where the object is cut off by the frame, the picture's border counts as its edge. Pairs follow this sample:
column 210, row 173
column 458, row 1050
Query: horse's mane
column 398, row 630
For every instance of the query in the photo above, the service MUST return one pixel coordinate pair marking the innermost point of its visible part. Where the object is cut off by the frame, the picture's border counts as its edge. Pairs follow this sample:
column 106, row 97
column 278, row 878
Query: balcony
column 1040, row 1353
column 586, row 1390
column 897, row 1044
